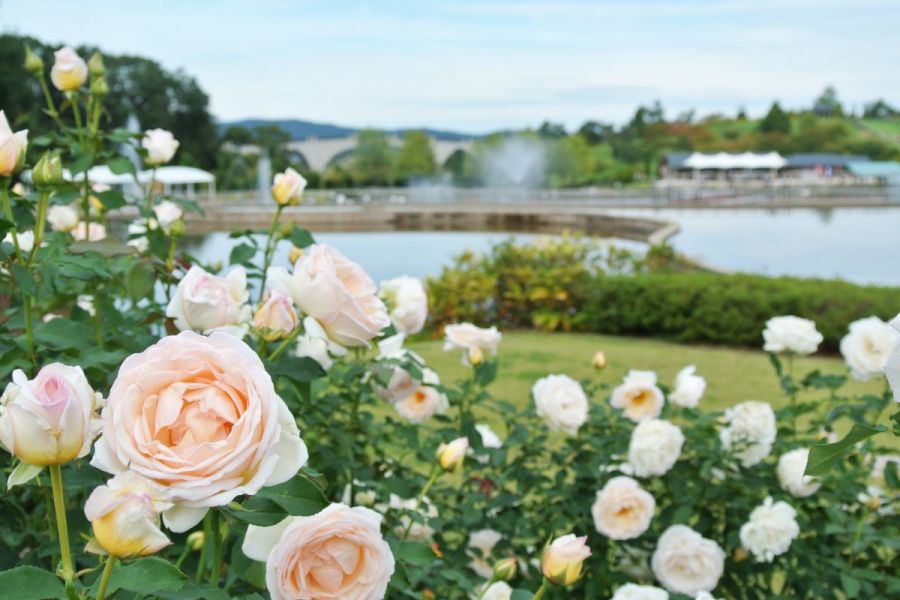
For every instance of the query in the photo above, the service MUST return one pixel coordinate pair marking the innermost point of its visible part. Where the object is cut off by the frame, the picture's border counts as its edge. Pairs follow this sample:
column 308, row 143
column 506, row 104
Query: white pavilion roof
column 726, row 160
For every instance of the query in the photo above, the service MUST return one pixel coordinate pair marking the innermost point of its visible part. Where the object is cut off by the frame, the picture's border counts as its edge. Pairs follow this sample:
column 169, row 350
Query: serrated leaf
column 30, row 583
column 823, row 457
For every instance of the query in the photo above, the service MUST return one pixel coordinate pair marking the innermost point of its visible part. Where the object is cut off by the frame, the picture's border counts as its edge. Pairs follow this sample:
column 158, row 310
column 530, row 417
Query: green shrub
column 574, row 284
column 728, row 309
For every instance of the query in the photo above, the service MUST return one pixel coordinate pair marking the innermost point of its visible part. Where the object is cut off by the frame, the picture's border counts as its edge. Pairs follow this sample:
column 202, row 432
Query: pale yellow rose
column 124, row 515
column 451, row 456
column 563, row 559
column 287, row 187
column 69, row 70
column 276, row 318
column 12, row 148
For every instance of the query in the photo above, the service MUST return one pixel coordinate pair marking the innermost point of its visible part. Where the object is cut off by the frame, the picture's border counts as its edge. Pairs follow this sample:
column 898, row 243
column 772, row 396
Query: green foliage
column 775, row 121
column 415, row 160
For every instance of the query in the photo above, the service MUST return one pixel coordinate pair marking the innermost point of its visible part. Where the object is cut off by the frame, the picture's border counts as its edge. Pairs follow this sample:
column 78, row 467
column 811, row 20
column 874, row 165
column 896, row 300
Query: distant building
column 819, row 164
column 721, row 165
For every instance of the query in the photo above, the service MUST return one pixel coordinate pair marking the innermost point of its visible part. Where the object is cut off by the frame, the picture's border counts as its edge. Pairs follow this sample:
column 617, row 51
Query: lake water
column 856, row 244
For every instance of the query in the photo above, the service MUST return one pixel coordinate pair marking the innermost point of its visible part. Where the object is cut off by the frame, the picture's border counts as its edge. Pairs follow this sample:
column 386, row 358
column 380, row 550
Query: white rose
column 407, row 303
column 418, row 531
column 69, row 70
column 94, row 232
column 623, row 510
column 340, row 295
column 633, row 591
column 561, row 403
column 49, row 420
column 24, row 238
column 654, row 447
column 160, row 146
column 867, row 347
column 481, row 547
column 287, row 187
column 791, row 334
column 489, row 439
column 688, row 388
column 790, row 470
column 12, row 148
column 498, row 590
column 336, row 554
column 86, row 303
column 892, row 369
column 315, row 344
column 750, row 430
column 638, row 396
column 62, row 217
column 685, row 562
column 167, row 213
column 473, row 341
column 425, row 401
column 771, row 529
column 278, row 280
column 206, row 303
column 704, row 596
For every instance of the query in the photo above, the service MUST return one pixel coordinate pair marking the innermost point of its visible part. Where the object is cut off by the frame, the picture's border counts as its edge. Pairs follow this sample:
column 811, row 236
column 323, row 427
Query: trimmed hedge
column 704, row 307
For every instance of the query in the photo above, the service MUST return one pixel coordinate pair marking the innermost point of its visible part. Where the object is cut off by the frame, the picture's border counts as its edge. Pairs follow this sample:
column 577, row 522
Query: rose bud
column 69, row 70
column 95, row 64
column 563, row 559
column 287, row 187
column 125, row 513
column 33, row 62
column 51, row 419
column 160, row 145
column 505, row 569
column 599, row 360
column 295, row 254
column 12, row 148
column 450, row 456
column 276, row 319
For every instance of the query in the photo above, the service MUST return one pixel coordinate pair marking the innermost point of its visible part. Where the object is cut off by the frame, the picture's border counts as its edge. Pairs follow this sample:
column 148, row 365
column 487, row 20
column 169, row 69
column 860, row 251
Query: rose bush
column 265, row 432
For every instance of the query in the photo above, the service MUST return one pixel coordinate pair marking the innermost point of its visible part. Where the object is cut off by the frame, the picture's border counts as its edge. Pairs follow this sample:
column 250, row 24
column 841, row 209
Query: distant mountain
column 301, row 130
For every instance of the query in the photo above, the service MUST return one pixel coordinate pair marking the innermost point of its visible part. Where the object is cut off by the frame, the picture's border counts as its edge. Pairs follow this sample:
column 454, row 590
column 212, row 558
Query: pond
column 857, row 244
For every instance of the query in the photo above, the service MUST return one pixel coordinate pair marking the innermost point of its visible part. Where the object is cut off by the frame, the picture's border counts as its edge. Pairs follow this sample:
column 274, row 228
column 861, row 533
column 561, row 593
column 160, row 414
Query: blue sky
column 479, row 65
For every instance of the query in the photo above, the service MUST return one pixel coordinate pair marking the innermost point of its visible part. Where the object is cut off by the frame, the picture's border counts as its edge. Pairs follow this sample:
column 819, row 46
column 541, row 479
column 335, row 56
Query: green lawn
column 733, row 375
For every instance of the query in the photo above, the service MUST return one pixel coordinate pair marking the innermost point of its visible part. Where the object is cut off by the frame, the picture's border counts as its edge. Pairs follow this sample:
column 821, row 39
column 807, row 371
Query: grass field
column 733, row 375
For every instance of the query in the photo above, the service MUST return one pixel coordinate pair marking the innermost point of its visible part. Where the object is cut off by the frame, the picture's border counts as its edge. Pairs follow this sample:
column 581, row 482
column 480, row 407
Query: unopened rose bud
column 451, row 456
column 95, row 64
column 99, row 87
column 874, row 502
column 276, row 319
column 740, row 554
column 69, row 70
column 563, row 559
column 33, row 62
column 177, row 229
column 295, row 254
column 48, row 171
column 505, row 569
column 12, row 148
column 124, row 515
column 476, row 356
column 428, row 595
column 287, row 187
column 195, row 541
column 599, row 360
column 18, row 189
column 51, row 419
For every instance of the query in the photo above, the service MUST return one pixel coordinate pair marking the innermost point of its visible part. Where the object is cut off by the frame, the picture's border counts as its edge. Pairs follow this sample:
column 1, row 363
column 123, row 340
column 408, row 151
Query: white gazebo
column 723, row 162
column 185, row 178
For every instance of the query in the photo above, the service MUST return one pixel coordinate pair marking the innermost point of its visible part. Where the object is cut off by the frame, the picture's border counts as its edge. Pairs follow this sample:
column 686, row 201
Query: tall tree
column 416, row 157
column 372, row 162
column 775, row 121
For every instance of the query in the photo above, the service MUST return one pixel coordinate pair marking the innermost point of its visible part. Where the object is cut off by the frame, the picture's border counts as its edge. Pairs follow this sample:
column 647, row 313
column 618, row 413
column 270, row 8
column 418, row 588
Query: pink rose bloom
column 198, row 415
column 48, row 420
column 339, row 295
column 337, row 554
column 206, row 303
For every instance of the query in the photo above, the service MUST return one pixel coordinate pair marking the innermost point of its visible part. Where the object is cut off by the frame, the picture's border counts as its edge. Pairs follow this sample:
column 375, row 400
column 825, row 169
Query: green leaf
column 62, row 334
column 298, row 496
column 111, row 199
column 301, row 237
column 414, row 553
column 519, row 594
column 242, row 254
column 107, row 247
column 24, row 279
column 146, row 576
column 120, row 165
column 140, row 280
column 823, row 457
column 298, row 368
column 30, row 583
column 192, row 591
column 851, row 586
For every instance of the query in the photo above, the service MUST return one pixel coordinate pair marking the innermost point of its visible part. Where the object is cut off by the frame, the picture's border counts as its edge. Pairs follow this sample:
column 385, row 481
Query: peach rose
column 12, row 147
column 206, row 303
column 124, row 515
column 638, row 396
column 200, row 416
column 51, row 419
column 276, row 318
column 338, row 553
column 339, row 295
